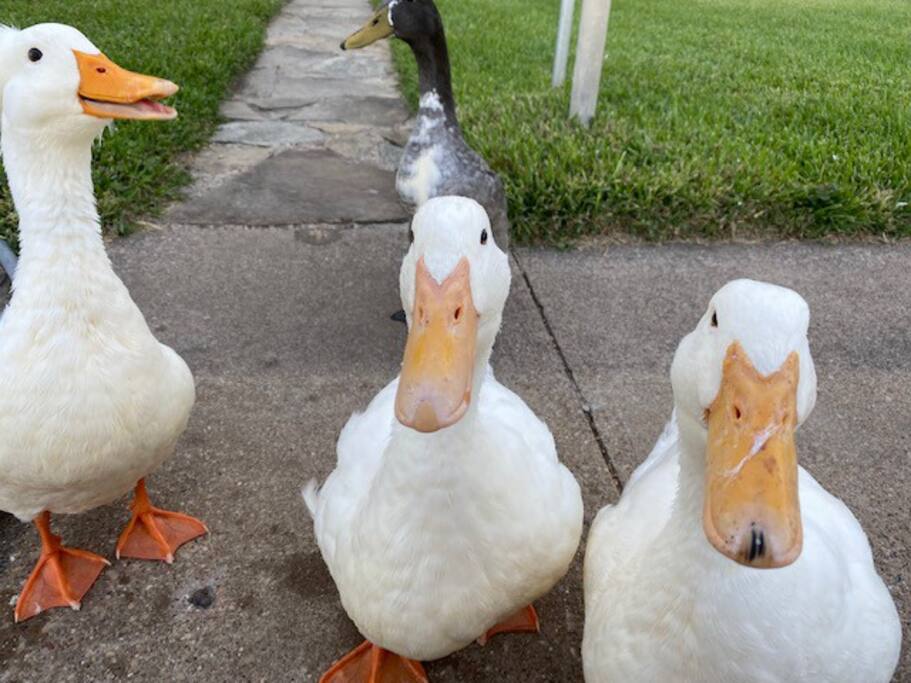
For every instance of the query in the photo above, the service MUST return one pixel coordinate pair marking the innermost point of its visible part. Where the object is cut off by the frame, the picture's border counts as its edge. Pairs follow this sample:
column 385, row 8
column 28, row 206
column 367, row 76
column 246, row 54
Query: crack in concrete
column 567, row 368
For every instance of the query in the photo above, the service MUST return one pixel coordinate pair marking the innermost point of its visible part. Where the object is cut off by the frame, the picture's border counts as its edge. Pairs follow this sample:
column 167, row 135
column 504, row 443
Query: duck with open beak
column 108, row 91
column 752, row 512
column 435, row 383
column 107, row 399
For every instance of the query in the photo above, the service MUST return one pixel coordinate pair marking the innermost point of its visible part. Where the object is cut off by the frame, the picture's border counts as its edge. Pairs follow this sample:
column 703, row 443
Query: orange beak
column 435, row 384
column 109, row 92
column 752, row 512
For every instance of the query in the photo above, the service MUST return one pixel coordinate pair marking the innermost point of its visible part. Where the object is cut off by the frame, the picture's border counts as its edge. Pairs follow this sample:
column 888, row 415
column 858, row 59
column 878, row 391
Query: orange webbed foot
column 153, row 533
column 61, row 577
column 523, row 621
column 368, row 663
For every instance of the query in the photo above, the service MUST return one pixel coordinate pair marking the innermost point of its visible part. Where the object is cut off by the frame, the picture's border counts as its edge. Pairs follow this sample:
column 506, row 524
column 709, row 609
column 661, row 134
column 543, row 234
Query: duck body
column 432, row 539
column 90, row 401
column 826, row 617
column 437, row 162
column 663, row 602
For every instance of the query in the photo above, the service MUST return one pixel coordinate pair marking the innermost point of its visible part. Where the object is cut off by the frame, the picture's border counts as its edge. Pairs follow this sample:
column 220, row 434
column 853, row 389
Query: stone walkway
column 314, row 133
column 275, row 280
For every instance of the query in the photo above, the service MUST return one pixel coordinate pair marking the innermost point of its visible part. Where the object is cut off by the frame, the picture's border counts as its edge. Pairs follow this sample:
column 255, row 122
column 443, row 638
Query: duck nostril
column 737, row 413
column 457, row 314
column 101, row 70
column 757, row 544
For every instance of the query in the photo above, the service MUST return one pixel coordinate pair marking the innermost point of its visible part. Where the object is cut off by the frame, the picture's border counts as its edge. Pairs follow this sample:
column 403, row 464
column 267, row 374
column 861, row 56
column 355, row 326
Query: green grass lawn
column 717, row 118
column 199, row 44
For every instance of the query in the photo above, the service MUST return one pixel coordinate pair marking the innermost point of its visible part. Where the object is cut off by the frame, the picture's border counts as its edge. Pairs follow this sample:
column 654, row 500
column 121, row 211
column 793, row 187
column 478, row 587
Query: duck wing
column 641, row 513
column 360, row 449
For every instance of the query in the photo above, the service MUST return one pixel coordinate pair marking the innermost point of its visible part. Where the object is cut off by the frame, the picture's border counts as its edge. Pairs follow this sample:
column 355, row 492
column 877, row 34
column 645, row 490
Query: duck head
column 454, row 283
column 410, row 20
column 52, row 78
column 746, row 378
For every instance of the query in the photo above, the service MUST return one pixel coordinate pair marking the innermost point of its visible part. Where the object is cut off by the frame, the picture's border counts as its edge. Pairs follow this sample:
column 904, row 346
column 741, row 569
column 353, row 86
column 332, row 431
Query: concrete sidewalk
column 275, row 281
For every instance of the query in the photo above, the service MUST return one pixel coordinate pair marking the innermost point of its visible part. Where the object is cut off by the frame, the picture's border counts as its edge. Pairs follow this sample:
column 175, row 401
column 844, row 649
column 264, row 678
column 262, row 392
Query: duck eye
column 35, row 54
column 714, row 319
column 410, row 236
column 484, row 236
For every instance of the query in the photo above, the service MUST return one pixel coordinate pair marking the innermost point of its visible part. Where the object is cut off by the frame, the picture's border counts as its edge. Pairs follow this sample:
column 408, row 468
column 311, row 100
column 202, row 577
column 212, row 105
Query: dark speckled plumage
column 461, row 170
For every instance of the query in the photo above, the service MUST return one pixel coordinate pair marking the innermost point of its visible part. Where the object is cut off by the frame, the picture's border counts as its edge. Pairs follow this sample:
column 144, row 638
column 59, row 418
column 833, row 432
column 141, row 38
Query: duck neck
column 479, row 377
column 59, row 231
column 434, row 75
column 691, row 478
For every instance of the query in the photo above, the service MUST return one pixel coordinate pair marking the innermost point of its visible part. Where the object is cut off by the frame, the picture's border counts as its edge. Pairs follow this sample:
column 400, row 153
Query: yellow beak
column 435, row 384
column 376, row 29
column 109, row 92
column 752, row 512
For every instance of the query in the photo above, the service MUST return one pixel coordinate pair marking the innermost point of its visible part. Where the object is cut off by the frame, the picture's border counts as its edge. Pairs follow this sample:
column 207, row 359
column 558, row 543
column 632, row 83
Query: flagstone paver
column 303, row 97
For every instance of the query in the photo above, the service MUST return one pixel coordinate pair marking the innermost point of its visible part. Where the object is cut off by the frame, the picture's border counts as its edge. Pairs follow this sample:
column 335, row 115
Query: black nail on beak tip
column 342, row 45
column 757, row 544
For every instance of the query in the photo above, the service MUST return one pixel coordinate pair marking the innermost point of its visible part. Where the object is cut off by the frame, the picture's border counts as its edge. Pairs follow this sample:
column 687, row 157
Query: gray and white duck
column 437, row 161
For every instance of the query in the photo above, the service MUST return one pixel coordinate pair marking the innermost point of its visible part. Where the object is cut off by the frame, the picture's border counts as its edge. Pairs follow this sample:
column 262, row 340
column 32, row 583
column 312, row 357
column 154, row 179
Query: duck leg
column 61, row 577
column 368, row 663
column 523, row 621
column 153, row 533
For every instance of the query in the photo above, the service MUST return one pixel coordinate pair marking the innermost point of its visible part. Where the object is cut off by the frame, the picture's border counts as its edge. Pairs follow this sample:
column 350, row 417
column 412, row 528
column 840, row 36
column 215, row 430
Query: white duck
column 709, row 569
column 449, row 512
column 90, row 402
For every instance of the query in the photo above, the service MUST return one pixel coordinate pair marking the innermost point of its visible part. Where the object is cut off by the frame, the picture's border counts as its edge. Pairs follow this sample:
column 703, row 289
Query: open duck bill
column 435, row 383
column 377, row 28
column 107, row 91
column 752, row 512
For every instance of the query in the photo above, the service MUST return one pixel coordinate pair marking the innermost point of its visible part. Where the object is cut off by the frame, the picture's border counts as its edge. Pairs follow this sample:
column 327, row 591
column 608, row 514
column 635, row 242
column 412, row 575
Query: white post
column 589, row 59
column 567, row 8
